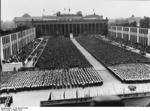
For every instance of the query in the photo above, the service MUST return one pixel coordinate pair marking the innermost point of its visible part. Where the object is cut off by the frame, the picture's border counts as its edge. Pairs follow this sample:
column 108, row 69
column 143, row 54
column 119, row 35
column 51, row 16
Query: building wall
column 133, row 34
column 67, row 27
column 13, row 43
column 0, row 55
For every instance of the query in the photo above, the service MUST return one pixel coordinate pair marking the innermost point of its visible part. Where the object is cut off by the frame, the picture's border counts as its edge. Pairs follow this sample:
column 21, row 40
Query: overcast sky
column 107, row 8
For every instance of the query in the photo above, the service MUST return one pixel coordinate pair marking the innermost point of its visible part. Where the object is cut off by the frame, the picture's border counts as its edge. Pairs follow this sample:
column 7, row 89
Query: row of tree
column 145, row 22
column 13, row 30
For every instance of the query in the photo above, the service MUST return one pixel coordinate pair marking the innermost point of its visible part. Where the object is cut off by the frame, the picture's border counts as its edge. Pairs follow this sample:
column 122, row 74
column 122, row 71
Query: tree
column 145, row 23
column 79, row 13
column 58, row 13
column 133, row 24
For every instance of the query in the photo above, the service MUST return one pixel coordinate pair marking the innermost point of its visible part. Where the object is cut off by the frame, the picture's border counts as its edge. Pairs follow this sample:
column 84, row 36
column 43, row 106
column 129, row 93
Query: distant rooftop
column 26, row 15
column 58, row 17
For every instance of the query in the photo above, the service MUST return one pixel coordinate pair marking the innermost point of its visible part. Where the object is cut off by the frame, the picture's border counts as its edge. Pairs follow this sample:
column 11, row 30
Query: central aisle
column 111, row 85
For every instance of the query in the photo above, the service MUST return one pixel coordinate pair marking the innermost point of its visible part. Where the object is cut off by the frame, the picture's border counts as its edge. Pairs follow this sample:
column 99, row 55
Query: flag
column 43, row 10
column 69, row 9
column 64, row 9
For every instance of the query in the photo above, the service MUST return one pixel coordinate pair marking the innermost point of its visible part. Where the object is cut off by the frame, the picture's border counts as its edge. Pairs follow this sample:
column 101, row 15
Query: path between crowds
column 111, row 85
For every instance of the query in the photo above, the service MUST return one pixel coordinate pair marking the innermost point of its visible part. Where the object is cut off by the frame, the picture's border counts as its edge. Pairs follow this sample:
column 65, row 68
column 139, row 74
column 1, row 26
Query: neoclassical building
column 64, row 24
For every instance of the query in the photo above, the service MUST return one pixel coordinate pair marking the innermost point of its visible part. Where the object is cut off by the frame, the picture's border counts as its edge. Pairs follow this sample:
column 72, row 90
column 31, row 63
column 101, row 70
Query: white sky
column 107, row 8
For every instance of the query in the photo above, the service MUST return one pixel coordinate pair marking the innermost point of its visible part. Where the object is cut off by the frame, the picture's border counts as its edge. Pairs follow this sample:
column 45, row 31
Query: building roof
column 91, row 17
column 26, row 15
column 63, row 17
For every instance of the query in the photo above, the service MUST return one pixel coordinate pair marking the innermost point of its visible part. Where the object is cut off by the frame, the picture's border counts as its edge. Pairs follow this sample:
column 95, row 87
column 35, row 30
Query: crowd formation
column 110, row 54
column 118, row 60
column 53, row 79
column 6, row 101
column 26, row 51
column 4, row 76
column 132, row 72
column 61, row 53
column 23, row 54
column 37, row 53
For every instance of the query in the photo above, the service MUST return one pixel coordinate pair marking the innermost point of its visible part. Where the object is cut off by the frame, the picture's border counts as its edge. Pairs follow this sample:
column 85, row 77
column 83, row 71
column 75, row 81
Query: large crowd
column 132, row 72
column 23, row 54
column 26, row 51
column 53, row 79
column 61, row 53
column 4, row 76
column 113, row 57
column 110, row 54
column 6, row 101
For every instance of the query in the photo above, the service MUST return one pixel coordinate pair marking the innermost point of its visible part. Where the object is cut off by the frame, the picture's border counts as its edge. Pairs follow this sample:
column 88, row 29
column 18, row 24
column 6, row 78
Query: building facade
column 12, row 43
column 132, row 34
column 66, row 24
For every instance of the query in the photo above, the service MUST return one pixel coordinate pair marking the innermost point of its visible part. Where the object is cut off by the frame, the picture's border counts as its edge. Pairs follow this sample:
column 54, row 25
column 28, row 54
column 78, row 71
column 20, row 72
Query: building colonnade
column 65, row 29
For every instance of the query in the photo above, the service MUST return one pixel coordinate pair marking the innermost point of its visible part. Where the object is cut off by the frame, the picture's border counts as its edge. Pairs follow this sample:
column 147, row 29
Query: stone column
column 68, row 29
column 60, row 28
column 49, row 28
column 97, row 28
column 53, row 28
column 129, row 33
column 64, row 29
column 46, row 29
column 41, row 29
column 72, row 28
column 10, row 45
column 148, row 37
column 97, row 31
column 80, row 29
column 91, row 28
column 87, row 28
column 17, row 42
column 137, row 35
column 56, row 28
column 122, row 32
column 94, row 28
column 1, row 49
column 75, row 29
